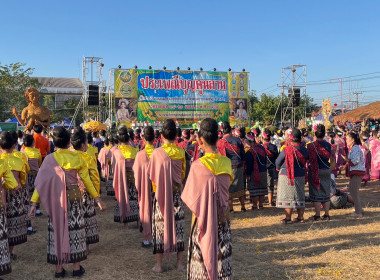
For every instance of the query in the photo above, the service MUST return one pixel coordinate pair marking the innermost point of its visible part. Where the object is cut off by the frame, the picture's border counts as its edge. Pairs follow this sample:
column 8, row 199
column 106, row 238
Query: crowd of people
column 153, row 174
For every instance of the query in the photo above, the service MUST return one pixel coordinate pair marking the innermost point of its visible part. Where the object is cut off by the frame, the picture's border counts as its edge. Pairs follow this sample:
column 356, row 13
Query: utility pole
column 357, row 98
column 340, row 80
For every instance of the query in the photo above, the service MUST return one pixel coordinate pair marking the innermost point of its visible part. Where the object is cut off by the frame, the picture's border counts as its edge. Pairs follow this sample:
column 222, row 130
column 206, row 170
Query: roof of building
column 52, row 85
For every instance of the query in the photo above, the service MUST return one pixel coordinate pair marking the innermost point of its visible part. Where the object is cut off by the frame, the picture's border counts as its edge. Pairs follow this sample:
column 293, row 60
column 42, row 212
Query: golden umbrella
column 94, row 126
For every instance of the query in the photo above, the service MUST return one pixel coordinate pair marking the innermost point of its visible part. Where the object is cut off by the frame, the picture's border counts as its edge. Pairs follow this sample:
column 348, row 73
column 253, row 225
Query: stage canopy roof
column 370, row 111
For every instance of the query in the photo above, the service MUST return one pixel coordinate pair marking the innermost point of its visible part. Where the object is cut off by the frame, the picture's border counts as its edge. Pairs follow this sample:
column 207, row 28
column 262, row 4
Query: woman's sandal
column 316, row 218
column 286, row 221
column 299, row 220
column 326, row 217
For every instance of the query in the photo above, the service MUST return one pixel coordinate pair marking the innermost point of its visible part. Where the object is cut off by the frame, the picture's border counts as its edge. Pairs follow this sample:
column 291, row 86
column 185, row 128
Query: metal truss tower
column 292, row 77
column 92, row 68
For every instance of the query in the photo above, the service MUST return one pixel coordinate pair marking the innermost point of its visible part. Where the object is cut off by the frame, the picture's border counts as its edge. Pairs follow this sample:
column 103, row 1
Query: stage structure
column 293, row 83
column 140, row 96
column 93, row 100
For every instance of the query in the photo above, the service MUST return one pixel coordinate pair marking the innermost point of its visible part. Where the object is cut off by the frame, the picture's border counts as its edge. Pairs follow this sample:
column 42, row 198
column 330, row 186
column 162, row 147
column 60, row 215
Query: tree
column 14, row 80
column 267, row 107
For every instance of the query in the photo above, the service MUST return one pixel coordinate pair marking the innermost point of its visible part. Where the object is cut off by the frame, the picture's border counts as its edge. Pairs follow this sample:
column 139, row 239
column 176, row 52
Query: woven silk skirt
column 16, row 216
column 133, row 215
column 77, row 231
column 91, row 224
column 290, row 196
column 109, row 184
column 5, row 259
column 237, row 188
column 158, row 225
column 195, row 264
column 258, row 188
column 323, row 194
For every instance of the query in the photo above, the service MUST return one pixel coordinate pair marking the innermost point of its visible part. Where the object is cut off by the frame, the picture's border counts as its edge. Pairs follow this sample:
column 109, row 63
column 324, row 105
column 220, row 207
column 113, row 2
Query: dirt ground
column 343, row 248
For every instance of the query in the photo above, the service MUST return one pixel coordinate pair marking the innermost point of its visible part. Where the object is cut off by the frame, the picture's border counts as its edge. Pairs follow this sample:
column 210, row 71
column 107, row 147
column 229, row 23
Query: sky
column 332, row 38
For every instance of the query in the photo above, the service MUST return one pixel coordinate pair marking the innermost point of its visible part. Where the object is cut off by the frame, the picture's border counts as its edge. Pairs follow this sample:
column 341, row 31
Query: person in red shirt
column 41, row 142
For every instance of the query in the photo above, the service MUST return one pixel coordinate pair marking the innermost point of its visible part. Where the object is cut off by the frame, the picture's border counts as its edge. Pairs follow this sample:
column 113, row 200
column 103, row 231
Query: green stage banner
column 185, row 96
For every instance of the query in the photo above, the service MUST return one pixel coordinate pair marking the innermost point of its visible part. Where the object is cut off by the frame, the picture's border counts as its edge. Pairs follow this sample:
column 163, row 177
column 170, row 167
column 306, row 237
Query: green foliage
column 14, row 80
column 264, row 108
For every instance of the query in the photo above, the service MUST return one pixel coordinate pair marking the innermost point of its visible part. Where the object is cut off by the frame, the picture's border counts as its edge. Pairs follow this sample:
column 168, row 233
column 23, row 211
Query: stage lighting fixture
column 214, row 69
column 177, row 68
column 201, row 69
column 188, row 68
column 243, row 70
column 164, row 67
column 150, row 67
column 229, row 69
column 136, row 67
column 119, row 67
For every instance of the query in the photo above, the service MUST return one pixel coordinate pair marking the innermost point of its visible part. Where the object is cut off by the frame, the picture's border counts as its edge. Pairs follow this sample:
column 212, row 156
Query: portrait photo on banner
column 238, row 109
column 126, row 109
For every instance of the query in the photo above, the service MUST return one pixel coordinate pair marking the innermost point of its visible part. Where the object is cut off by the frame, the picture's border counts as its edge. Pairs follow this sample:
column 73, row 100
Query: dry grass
column 343, row 248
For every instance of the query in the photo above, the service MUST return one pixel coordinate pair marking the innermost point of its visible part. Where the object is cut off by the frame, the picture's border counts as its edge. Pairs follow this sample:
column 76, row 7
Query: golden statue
column 34, row 113
column 302, row 124
column 326, row 112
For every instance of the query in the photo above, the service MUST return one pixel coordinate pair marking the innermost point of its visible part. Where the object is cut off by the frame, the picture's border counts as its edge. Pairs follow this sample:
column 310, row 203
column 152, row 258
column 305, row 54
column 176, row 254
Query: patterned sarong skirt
column 323, row 194
column 237, row 188
column 158, row 225
column 133, row 214
column 91, row 224
column 195, row 265
column 5, row 259
column 16, row 216
column 288, row 196
column 258, row 188
column 109, row 184
column 77, row 231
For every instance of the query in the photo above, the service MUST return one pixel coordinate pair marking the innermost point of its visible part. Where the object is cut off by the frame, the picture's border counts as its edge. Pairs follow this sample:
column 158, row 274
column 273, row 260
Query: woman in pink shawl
column 374, row 145
column 367, row 157
column 206, row 194
column 111, row 165
column 103, row 160
column 126, row 205
column 340, row 151
column 57, row 186
column 167, row 169
column 144, row 185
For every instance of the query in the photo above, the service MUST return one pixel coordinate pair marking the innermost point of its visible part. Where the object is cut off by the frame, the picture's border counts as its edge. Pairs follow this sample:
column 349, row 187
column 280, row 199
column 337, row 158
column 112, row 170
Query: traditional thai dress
column 271, row 156
column 319, row 170
column 57, row 185
column 367, row 161
column 7, row 182
column 126, row 208
column 291, row 163
column 34, row 161
column 340, row 151
column 109, row 183
column 167, row 169
column 188, row 147
column 92, row 151
column 16, row 198
column 89, row 213
column 333, row 160
column 256, row 170
column 144, row 189
column 231, row 147
column 374, row 145
column 103, row 160
column 206, row 194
